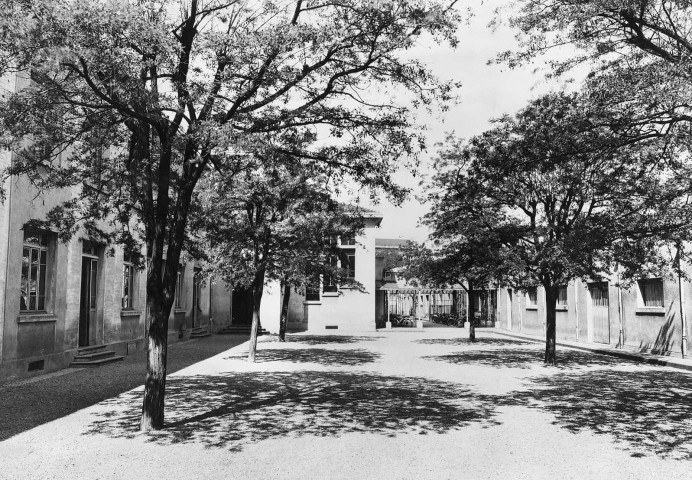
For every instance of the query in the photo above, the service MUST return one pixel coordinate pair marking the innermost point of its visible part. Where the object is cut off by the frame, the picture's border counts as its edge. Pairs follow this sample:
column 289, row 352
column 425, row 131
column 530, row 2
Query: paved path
column 27, row 403
column 399, row 405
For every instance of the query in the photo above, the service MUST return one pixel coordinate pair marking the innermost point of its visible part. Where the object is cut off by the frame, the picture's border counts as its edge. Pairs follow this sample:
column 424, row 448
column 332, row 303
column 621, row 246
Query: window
column 350, row 240
column 389, row 276
column 312, row 290
column 128, row 293
column 532, row 296
column 348, row 263
column 34, row 271
column 179, row 289
column 651, row 290
column 562, row 295
column 329, row 279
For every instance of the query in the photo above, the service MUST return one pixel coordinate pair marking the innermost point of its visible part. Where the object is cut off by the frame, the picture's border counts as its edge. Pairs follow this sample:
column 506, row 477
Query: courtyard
column 418, row 405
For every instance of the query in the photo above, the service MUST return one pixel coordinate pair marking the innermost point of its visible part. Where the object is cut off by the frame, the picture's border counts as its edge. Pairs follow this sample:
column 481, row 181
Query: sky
column 488, row 91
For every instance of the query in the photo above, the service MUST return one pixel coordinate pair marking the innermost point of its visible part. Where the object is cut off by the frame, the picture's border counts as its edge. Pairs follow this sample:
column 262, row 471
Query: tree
column 465, row 248
column 143, row 98
column 275, row 226
column 549, row 196
column 639, row 52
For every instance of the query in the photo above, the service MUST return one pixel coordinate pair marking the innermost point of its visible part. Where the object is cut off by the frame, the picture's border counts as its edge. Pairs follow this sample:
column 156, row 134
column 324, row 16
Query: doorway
column 241, row 306
column 599, row 312
column 87, row 299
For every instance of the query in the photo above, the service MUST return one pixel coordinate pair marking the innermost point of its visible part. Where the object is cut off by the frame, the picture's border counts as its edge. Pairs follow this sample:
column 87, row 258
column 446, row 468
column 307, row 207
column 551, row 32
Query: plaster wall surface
column 7, row 86
column 220, row 307
column 296, row 310
column 270, row 308
column 654, row 329
column 350, row 309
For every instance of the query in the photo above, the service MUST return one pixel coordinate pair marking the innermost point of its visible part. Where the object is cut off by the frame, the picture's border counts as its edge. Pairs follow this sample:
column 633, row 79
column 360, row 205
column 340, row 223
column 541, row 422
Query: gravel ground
column 27, row 403
column 399, row 405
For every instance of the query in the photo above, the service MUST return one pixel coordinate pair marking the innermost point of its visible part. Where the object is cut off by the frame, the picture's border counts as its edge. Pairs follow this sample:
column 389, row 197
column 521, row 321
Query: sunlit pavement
column 382, row 405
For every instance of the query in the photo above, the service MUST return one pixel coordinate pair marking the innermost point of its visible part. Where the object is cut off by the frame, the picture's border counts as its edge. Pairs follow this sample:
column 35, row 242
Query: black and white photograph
column 345, row 239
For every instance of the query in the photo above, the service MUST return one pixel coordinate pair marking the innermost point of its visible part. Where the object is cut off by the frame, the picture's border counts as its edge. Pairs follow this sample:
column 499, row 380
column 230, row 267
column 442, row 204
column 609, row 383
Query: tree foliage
column 275, row 226
column 549, row 195
column 130, row 103
column 639, row 53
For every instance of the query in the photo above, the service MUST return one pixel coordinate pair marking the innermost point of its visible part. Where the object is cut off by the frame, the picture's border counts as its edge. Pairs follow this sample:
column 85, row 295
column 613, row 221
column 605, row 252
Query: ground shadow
column 525, row 358
column 232, row 410
column 328, row 339
column 28, row 403
column 495, row 342
column 647, row 411
column 322, row 356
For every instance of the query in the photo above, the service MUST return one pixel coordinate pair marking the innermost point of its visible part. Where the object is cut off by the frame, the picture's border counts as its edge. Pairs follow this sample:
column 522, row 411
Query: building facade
column 334, row 307
column 649, row 316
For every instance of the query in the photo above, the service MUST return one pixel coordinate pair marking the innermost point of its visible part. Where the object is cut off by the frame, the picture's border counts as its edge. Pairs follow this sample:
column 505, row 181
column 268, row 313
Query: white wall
column 349, row 309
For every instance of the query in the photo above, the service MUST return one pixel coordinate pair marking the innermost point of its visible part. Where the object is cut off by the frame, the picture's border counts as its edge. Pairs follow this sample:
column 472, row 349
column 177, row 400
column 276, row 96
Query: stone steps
column 240, row 330
column 200, row 332
column 94, row 356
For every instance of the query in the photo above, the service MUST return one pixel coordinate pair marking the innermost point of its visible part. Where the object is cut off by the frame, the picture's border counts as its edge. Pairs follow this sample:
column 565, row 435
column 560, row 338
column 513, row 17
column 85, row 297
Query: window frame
column 561, row 296
column 313, row 290
column 532, row 297
column 129, row 282
column 329, row 283
column 348, row 254
column 41, row 246
column 644, row 286
column 179, row 284
column 388, row 276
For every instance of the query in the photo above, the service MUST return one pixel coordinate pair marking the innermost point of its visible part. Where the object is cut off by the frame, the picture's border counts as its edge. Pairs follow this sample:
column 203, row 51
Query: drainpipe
column 621, row 336
column 576, row 308
column 521, row 311
column 683, row 320
column 211, row 306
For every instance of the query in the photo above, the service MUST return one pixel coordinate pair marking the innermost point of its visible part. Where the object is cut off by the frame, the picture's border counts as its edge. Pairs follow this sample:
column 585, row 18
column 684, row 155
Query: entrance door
column 241, row 306
column 599, row 312
column 87, row 300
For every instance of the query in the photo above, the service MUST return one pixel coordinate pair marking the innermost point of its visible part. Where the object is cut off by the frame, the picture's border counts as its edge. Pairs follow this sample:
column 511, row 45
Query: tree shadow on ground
column 239, row 408
column 495, row 342
column 524, row 358
column 648, row 412
column 327, row 339
column 323, row 356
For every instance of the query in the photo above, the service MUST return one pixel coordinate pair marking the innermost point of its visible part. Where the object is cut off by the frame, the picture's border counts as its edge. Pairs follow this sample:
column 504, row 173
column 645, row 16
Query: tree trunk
column 472, row 314
column 155, row 384
column 257, row 290
column 161, row 281
column 283, row 320
column 158, row 308
column 551, row 293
